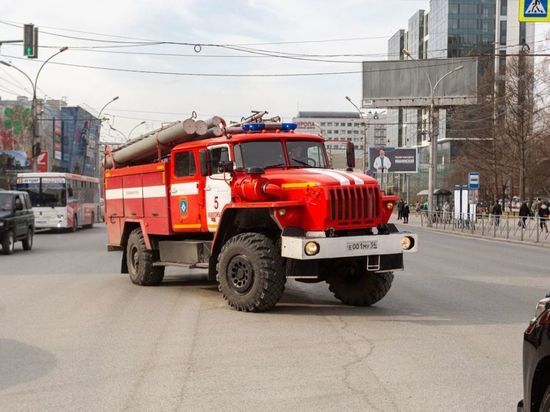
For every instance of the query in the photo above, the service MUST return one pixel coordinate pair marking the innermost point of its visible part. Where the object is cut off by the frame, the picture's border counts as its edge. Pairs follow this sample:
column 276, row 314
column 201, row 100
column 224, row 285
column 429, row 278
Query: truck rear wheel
column 140, row 262
column 249, row 273
column 354, row 285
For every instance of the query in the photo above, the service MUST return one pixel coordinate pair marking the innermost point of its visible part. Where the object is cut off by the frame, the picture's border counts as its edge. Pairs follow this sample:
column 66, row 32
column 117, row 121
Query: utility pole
column 522, row 105
column 432, row 170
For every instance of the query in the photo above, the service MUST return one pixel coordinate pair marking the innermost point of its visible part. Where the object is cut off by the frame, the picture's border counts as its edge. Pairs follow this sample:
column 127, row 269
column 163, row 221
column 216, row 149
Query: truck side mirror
column 204, row 160
column 227, row 166
column 350, row 156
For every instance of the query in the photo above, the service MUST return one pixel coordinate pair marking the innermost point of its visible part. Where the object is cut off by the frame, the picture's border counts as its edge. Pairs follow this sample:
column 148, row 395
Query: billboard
column 404, row 83
column 392, row 160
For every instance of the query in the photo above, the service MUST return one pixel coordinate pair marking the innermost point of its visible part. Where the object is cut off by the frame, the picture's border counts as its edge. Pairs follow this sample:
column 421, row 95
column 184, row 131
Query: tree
column 511, row 144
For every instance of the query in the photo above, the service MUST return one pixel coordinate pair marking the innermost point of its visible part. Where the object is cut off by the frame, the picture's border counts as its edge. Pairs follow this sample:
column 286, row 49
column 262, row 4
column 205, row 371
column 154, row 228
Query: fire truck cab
column 255, row 206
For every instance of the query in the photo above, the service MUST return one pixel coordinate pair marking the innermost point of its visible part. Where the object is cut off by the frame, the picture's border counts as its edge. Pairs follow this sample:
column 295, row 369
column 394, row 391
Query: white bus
column 61, row 200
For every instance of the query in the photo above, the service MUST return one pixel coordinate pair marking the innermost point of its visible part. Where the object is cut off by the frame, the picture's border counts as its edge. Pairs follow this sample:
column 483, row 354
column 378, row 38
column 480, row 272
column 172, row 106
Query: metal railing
column 529, row 229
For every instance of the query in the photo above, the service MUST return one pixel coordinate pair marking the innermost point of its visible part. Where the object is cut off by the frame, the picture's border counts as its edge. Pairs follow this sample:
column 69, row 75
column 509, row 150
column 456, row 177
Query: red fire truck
column 255, row 204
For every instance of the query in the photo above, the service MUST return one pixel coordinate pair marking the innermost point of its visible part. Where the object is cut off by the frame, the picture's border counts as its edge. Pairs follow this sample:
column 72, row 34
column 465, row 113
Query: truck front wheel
column 354, row 285
column 249, row 273
column 140, row 262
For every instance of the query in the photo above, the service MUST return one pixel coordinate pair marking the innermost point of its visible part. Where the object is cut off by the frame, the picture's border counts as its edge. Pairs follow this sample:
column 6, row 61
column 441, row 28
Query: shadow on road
column 21, row 363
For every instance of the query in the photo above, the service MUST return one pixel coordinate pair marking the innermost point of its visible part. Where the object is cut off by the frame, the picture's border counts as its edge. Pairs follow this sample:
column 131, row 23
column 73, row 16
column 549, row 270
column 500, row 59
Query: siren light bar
column 258, row 127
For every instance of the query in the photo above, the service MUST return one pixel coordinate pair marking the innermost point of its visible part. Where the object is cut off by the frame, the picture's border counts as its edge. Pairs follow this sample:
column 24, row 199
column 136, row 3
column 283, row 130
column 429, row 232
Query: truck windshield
column 268, row 154
column 259, row 154
column 45, row 192
column 6, row 202
column 306, row 154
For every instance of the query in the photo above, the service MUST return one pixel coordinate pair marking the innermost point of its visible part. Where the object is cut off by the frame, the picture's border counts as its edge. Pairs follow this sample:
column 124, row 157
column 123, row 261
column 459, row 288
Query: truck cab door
column 185, row 202
column 217, row 189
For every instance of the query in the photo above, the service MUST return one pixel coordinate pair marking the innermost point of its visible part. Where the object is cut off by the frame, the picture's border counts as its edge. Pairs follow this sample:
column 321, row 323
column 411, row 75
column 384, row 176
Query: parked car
column 16, row 220
column 536, row 361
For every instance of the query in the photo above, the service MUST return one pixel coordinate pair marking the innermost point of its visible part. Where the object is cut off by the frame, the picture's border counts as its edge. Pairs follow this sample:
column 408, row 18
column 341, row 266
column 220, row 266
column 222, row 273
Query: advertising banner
column 393, row 160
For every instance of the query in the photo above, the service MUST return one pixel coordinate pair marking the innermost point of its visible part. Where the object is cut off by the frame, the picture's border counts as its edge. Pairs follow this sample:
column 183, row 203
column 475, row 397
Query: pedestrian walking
column 524, row 213
column 400, row 205
column 446, row 212
column 406, row 211
column 497, row 212
column 544, row 213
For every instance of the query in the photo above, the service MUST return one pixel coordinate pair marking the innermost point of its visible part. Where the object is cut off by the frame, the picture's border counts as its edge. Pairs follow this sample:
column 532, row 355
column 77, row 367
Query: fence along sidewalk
column 532, row 229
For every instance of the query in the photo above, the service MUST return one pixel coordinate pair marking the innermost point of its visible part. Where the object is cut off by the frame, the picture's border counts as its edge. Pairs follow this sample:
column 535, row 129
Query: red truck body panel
column 313, row 199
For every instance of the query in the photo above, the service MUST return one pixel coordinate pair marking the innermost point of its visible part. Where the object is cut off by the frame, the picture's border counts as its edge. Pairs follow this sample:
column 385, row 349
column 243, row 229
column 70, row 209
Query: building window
column 323, row 123
column 503, row 7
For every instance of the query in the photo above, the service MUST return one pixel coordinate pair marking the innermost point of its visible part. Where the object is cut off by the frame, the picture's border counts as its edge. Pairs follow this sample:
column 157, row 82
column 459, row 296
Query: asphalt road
column 76, row 335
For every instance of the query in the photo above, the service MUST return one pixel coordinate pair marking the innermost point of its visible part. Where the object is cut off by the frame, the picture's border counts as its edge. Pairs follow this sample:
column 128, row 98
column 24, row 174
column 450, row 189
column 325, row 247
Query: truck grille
column 351, row 204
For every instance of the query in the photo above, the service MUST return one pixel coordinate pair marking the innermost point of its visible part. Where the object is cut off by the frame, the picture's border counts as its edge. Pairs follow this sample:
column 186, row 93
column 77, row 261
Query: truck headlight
column 407, row 242
column 311, row 248
column 1, row 223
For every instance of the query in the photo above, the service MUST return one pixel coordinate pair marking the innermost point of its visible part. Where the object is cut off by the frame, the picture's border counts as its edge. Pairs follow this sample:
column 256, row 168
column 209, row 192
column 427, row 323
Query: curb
column 495, row 239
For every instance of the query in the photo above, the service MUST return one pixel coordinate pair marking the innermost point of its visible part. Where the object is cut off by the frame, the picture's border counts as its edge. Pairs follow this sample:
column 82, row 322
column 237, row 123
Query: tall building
column 456, row 28
column 340, row 127
column 69, row 136
column 394, row 117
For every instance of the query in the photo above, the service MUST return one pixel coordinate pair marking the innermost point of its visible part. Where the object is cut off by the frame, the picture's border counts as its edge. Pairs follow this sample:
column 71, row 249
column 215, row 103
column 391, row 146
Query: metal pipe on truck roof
column 201, row 127
column 146, row 147
column 214, row 121
column 212, row 132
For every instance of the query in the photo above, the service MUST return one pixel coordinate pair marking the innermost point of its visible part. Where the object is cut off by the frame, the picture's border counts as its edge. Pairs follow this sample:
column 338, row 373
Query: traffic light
column 30, row 41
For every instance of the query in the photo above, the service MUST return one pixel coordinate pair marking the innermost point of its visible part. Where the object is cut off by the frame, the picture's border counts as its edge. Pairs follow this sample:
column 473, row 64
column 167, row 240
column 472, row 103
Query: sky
column 155, row 97
column 345, row 27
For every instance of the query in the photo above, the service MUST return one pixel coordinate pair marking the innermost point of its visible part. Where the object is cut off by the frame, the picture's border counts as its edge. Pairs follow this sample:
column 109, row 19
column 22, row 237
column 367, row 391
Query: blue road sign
column 533, row 11
column 473, row 181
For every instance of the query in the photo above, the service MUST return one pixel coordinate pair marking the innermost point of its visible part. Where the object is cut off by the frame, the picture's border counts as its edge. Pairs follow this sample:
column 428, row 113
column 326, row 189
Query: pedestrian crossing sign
column 533, row 11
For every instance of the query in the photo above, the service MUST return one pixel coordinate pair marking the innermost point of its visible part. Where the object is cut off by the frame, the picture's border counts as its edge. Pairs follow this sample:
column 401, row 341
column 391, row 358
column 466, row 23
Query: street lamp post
column 433, row 139
column 365, row 138
column 105, row 105
column 34, row 83
column 134, row 128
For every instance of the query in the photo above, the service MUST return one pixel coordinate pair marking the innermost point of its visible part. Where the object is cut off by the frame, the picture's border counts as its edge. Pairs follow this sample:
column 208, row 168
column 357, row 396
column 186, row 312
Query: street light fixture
column 364, row 133
column 135, row 127
column 105, row 105
column 433, row 140
column 33, row 104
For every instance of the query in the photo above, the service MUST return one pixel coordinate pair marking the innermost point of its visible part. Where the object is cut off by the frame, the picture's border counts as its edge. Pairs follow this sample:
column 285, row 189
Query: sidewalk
column 508, row 229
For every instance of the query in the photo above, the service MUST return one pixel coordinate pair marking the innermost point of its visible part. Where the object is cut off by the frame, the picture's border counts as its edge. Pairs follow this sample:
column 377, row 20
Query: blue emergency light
column 258, row 127
column 253, row 127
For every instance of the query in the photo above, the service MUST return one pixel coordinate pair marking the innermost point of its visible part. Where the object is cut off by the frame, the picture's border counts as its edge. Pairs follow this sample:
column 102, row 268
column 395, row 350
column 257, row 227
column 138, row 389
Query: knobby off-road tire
column 8, row 243
column 353, row 285
column 250, row 273
column 27, row 242
column 140, row 262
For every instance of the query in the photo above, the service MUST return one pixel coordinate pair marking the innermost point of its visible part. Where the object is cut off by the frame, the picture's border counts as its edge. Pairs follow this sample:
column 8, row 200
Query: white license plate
column 362, row 245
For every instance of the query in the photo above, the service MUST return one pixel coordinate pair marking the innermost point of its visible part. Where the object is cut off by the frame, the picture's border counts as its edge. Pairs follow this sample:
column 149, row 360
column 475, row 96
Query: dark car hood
column 4, row 214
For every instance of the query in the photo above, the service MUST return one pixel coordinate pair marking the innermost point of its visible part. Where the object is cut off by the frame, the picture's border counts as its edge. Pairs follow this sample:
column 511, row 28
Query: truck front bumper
column 301, row 248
